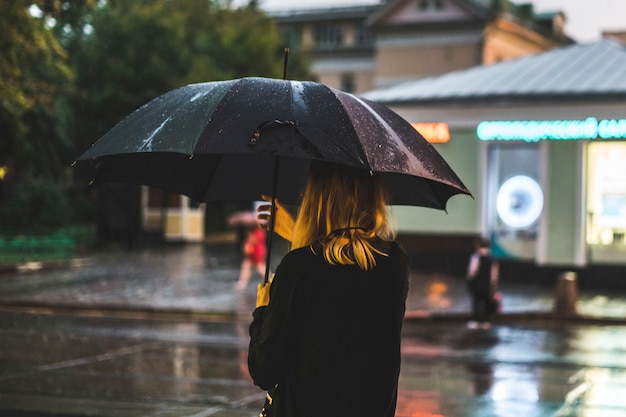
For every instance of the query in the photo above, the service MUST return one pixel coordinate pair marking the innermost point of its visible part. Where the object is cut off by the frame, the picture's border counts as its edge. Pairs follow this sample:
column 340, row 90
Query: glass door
column 515, row 199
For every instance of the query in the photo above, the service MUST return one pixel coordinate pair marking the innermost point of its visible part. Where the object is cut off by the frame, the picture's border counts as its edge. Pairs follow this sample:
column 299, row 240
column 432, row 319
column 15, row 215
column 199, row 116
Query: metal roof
column 316, row 7
column 580, row 71
column 334, row 13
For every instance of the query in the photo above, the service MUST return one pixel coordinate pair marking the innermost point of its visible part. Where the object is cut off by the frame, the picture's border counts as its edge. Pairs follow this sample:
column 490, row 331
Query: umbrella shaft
column 285, row 63
column 272, row 220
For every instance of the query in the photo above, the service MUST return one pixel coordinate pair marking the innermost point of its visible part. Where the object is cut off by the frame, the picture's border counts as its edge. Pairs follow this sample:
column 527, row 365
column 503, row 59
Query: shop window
column 606, row 193
column 158, row 199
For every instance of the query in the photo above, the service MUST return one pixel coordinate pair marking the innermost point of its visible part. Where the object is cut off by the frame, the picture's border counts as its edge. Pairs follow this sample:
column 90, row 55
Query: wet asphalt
column 201, row 278
column 163, row 332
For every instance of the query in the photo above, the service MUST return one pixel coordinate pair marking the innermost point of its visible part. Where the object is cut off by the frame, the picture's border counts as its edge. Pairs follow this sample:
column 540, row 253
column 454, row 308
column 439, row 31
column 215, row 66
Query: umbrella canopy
column 238, row 139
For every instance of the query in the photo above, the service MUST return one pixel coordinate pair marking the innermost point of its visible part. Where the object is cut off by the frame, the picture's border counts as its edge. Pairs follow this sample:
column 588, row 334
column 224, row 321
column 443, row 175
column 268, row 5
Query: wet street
column 173, row 365
column 162, row 332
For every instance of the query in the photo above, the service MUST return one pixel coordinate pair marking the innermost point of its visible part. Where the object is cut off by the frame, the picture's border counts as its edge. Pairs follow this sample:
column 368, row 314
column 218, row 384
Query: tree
column 130, row 52
column 33, row 78
column 137, row 50
column 234, row 43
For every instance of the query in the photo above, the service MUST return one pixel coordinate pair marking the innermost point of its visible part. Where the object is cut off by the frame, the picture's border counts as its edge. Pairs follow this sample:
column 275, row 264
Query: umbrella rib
column 343, row 109
column 393, row 134
column 438, row 195
column 211, row 175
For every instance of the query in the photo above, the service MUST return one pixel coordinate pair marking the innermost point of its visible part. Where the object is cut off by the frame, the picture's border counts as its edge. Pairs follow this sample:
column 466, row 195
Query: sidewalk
column 200, row 280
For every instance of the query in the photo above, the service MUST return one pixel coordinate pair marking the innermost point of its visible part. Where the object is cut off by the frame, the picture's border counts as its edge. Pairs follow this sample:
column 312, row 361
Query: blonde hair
column 345, row 210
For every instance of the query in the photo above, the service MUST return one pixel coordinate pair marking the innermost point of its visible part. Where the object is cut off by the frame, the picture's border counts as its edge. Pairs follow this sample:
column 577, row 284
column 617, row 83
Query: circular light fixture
column 519, row 201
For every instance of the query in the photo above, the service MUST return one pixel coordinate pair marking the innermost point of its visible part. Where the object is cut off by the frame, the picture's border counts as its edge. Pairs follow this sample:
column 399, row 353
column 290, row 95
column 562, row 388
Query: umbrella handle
column 272, row 221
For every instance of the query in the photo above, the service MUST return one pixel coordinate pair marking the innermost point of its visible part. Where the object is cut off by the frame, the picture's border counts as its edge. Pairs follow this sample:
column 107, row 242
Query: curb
column 148, row 313
column 117, row 311
column 545, row 317
column 32, row 266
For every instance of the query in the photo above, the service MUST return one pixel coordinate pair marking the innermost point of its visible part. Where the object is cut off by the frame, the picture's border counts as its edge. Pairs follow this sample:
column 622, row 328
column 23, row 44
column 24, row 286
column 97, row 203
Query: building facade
column 359, row 48
column 541, row 143
column 377, row 44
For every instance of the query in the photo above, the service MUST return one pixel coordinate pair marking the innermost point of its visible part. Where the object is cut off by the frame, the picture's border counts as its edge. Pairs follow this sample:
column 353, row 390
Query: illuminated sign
column 433, row 132
column 3, row 172
column 536, row 130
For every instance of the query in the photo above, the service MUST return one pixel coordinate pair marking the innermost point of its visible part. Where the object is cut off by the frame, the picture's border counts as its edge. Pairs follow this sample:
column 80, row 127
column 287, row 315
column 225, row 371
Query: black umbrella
column 219, row 141
column 239, row 139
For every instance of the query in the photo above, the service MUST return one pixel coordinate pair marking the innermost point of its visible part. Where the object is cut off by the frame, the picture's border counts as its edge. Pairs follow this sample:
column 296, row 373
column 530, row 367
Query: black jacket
column 330, row 337
column 480, row 284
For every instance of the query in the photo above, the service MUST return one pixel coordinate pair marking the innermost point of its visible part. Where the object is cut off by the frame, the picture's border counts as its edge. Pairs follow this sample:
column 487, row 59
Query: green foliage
column 138, row 50
column 33, row 73
column 71, row 69
column 133, row 54
column 36, row 206
column 236, row 43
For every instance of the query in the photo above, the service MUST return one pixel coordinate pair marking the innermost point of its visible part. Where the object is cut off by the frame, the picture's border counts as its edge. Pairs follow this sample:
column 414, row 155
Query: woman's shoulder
column 396, row 246
column 390, row 247
column 299, row 255
column 295, row 262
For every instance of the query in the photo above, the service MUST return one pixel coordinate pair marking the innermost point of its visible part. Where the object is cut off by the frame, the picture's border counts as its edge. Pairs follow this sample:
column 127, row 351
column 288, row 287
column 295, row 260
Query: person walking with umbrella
column 325, row 336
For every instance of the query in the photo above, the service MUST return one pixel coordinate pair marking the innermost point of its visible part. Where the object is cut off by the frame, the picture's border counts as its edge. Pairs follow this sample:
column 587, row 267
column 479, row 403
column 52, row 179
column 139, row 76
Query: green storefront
column 541, row 143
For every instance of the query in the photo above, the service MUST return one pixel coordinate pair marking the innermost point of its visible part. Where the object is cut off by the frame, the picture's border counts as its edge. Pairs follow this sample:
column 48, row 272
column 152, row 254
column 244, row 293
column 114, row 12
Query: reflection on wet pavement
column 514, row 371
column 165, row 364
column 201, row 278
column 129, row 367
column 111, row 368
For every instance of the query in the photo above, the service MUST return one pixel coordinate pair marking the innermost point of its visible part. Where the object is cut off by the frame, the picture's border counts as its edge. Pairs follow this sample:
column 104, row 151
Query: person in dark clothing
column 325, row 336
column 482, row 282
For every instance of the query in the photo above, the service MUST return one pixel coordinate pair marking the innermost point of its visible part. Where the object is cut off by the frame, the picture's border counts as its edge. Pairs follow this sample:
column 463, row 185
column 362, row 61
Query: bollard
column 566, row 293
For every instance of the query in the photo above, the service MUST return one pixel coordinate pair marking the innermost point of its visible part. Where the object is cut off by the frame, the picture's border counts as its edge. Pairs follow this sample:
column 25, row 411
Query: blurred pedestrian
column 254, row 252
column 482, row 284
column 325, row 336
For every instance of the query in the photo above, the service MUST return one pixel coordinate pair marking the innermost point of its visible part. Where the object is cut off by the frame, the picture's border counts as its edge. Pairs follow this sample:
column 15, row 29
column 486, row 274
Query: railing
column 55, row 247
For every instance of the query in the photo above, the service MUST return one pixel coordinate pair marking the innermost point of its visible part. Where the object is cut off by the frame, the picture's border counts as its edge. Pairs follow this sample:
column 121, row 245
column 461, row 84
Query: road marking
column 98, row 358
column 82, row 361
column 571, row 399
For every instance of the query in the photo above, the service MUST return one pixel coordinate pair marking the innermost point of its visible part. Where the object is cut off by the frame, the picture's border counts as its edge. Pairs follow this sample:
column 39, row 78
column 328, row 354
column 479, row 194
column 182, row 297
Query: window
column 363, row 37
column 347, row 83
column 292, row 37
column 606, row 193
column 328, row 34
column 424, row 5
